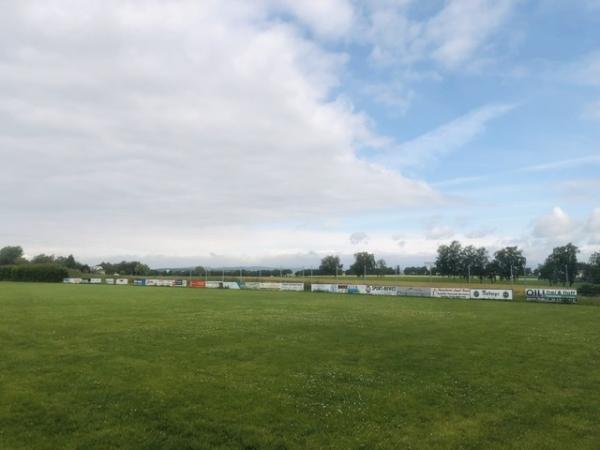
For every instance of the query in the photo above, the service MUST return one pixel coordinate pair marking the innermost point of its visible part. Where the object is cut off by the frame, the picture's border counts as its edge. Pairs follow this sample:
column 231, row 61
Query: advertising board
column 491, row 294
column 551, row 295
column 96, row 280
column 180, row 283
column 72, row 280
column 109, row 280
column 413, row 292
column 451, row 293
column 151, row 282
column 121, row 281
column 273, row 286
column 356, row 289
column 381, row 290
column 323, row 287
column 298, row 287
column 198, row 284
column 222, row 285
column 139, row 282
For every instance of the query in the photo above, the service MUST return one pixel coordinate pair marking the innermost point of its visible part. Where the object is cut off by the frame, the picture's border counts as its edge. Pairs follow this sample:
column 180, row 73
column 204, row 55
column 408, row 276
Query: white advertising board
column 551, row 295
column 323, row 287
column 222, row 284
column 121, row 281
column 165, row 283
column 180, row 283
column 491, row 294
column 292, row 287
column 96, row 280
column 451, row 293
column 151, row 282
column 413, row 292
column 381, row 290
column 356, row 289
column 72, row 280
column 109, row 280
column 268, row 285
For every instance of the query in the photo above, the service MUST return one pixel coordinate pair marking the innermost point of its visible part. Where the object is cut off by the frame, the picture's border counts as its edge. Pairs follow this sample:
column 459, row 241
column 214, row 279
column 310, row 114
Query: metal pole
column 512, row 277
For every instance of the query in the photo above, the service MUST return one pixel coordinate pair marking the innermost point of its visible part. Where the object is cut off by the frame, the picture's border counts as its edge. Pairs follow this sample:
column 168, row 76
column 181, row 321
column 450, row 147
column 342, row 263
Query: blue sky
column 275, row 132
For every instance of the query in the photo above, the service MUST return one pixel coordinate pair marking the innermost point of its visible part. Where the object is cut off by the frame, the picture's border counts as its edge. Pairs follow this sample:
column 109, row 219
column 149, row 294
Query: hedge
column 33, row 272
column 589, row 290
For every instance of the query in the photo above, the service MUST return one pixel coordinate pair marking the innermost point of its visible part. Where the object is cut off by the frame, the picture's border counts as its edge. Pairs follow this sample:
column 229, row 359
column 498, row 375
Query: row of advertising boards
column 534, row 295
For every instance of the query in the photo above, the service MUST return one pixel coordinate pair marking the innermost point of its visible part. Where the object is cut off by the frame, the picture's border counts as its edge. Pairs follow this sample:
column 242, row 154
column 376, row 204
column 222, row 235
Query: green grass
column 100, row 367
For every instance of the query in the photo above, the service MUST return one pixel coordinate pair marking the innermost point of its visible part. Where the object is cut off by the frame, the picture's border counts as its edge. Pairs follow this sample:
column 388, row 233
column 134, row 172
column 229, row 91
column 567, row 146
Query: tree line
column 452, row 260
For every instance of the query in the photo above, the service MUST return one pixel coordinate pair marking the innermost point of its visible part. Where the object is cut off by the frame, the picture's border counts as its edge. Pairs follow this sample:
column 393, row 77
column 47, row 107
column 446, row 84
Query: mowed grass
column 100, row 367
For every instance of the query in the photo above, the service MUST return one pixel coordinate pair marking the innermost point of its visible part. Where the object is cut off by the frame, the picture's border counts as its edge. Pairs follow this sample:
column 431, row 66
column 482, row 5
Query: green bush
column 48, row 273
column 589, row 290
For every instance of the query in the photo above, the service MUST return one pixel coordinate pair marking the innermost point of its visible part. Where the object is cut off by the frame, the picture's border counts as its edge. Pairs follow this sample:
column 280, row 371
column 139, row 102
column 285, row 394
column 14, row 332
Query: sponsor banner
column 323, row 287
column 552, row 295
column 381, row 290
column 121, row 281
column 85, row 281
column 451, row 293
column 165, row 283
column 356, row 288
column 250, row 285
column 198, row 284
column 491, row 294
column 96, row 280
column 109, row 280
column 292, row 287
column 139, row 282
column 273, row 286
column 151, row 282
column 222, row 285
column 72, row 280
column 413, row 292
column 180, row 283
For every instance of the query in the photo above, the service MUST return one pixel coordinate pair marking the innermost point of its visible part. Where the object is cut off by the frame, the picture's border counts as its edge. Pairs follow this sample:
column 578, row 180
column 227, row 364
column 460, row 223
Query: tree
column 381, row 267
column 364, row 263
column 43, row 259
column 11, row 255
column 330, row 265
column 561, row 265
column 449, row 259
column 509, row 262
column 592, row 269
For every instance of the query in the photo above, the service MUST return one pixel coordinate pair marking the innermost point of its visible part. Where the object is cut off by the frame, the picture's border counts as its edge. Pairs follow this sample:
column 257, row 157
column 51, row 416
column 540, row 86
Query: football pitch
column 100, row 367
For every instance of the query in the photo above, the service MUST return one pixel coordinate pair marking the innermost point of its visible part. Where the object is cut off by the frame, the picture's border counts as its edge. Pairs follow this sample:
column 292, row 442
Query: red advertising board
column 198, row 283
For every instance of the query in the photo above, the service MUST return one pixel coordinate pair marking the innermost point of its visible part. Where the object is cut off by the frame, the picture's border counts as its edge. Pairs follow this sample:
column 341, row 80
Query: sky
column 274, row 133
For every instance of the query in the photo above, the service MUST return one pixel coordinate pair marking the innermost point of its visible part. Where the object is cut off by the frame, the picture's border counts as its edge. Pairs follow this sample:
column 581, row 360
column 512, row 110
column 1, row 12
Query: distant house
column 98, row 269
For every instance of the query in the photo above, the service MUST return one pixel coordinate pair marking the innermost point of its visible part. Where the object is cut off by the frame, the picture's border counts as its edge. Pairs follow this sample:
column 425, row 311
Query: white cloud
column 555, row 224
column 439, row 232
column 359, row 237
column 327, row 18
column 451, row 37
column 165, row 118
column 592, row 227
column 448, row 137
column 563, row 164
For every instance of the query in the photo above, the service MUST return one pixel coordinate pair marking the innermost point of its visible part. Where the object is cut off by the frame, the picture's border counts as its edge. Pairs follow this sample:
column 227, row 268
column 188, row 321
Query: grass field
column 99, row 367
